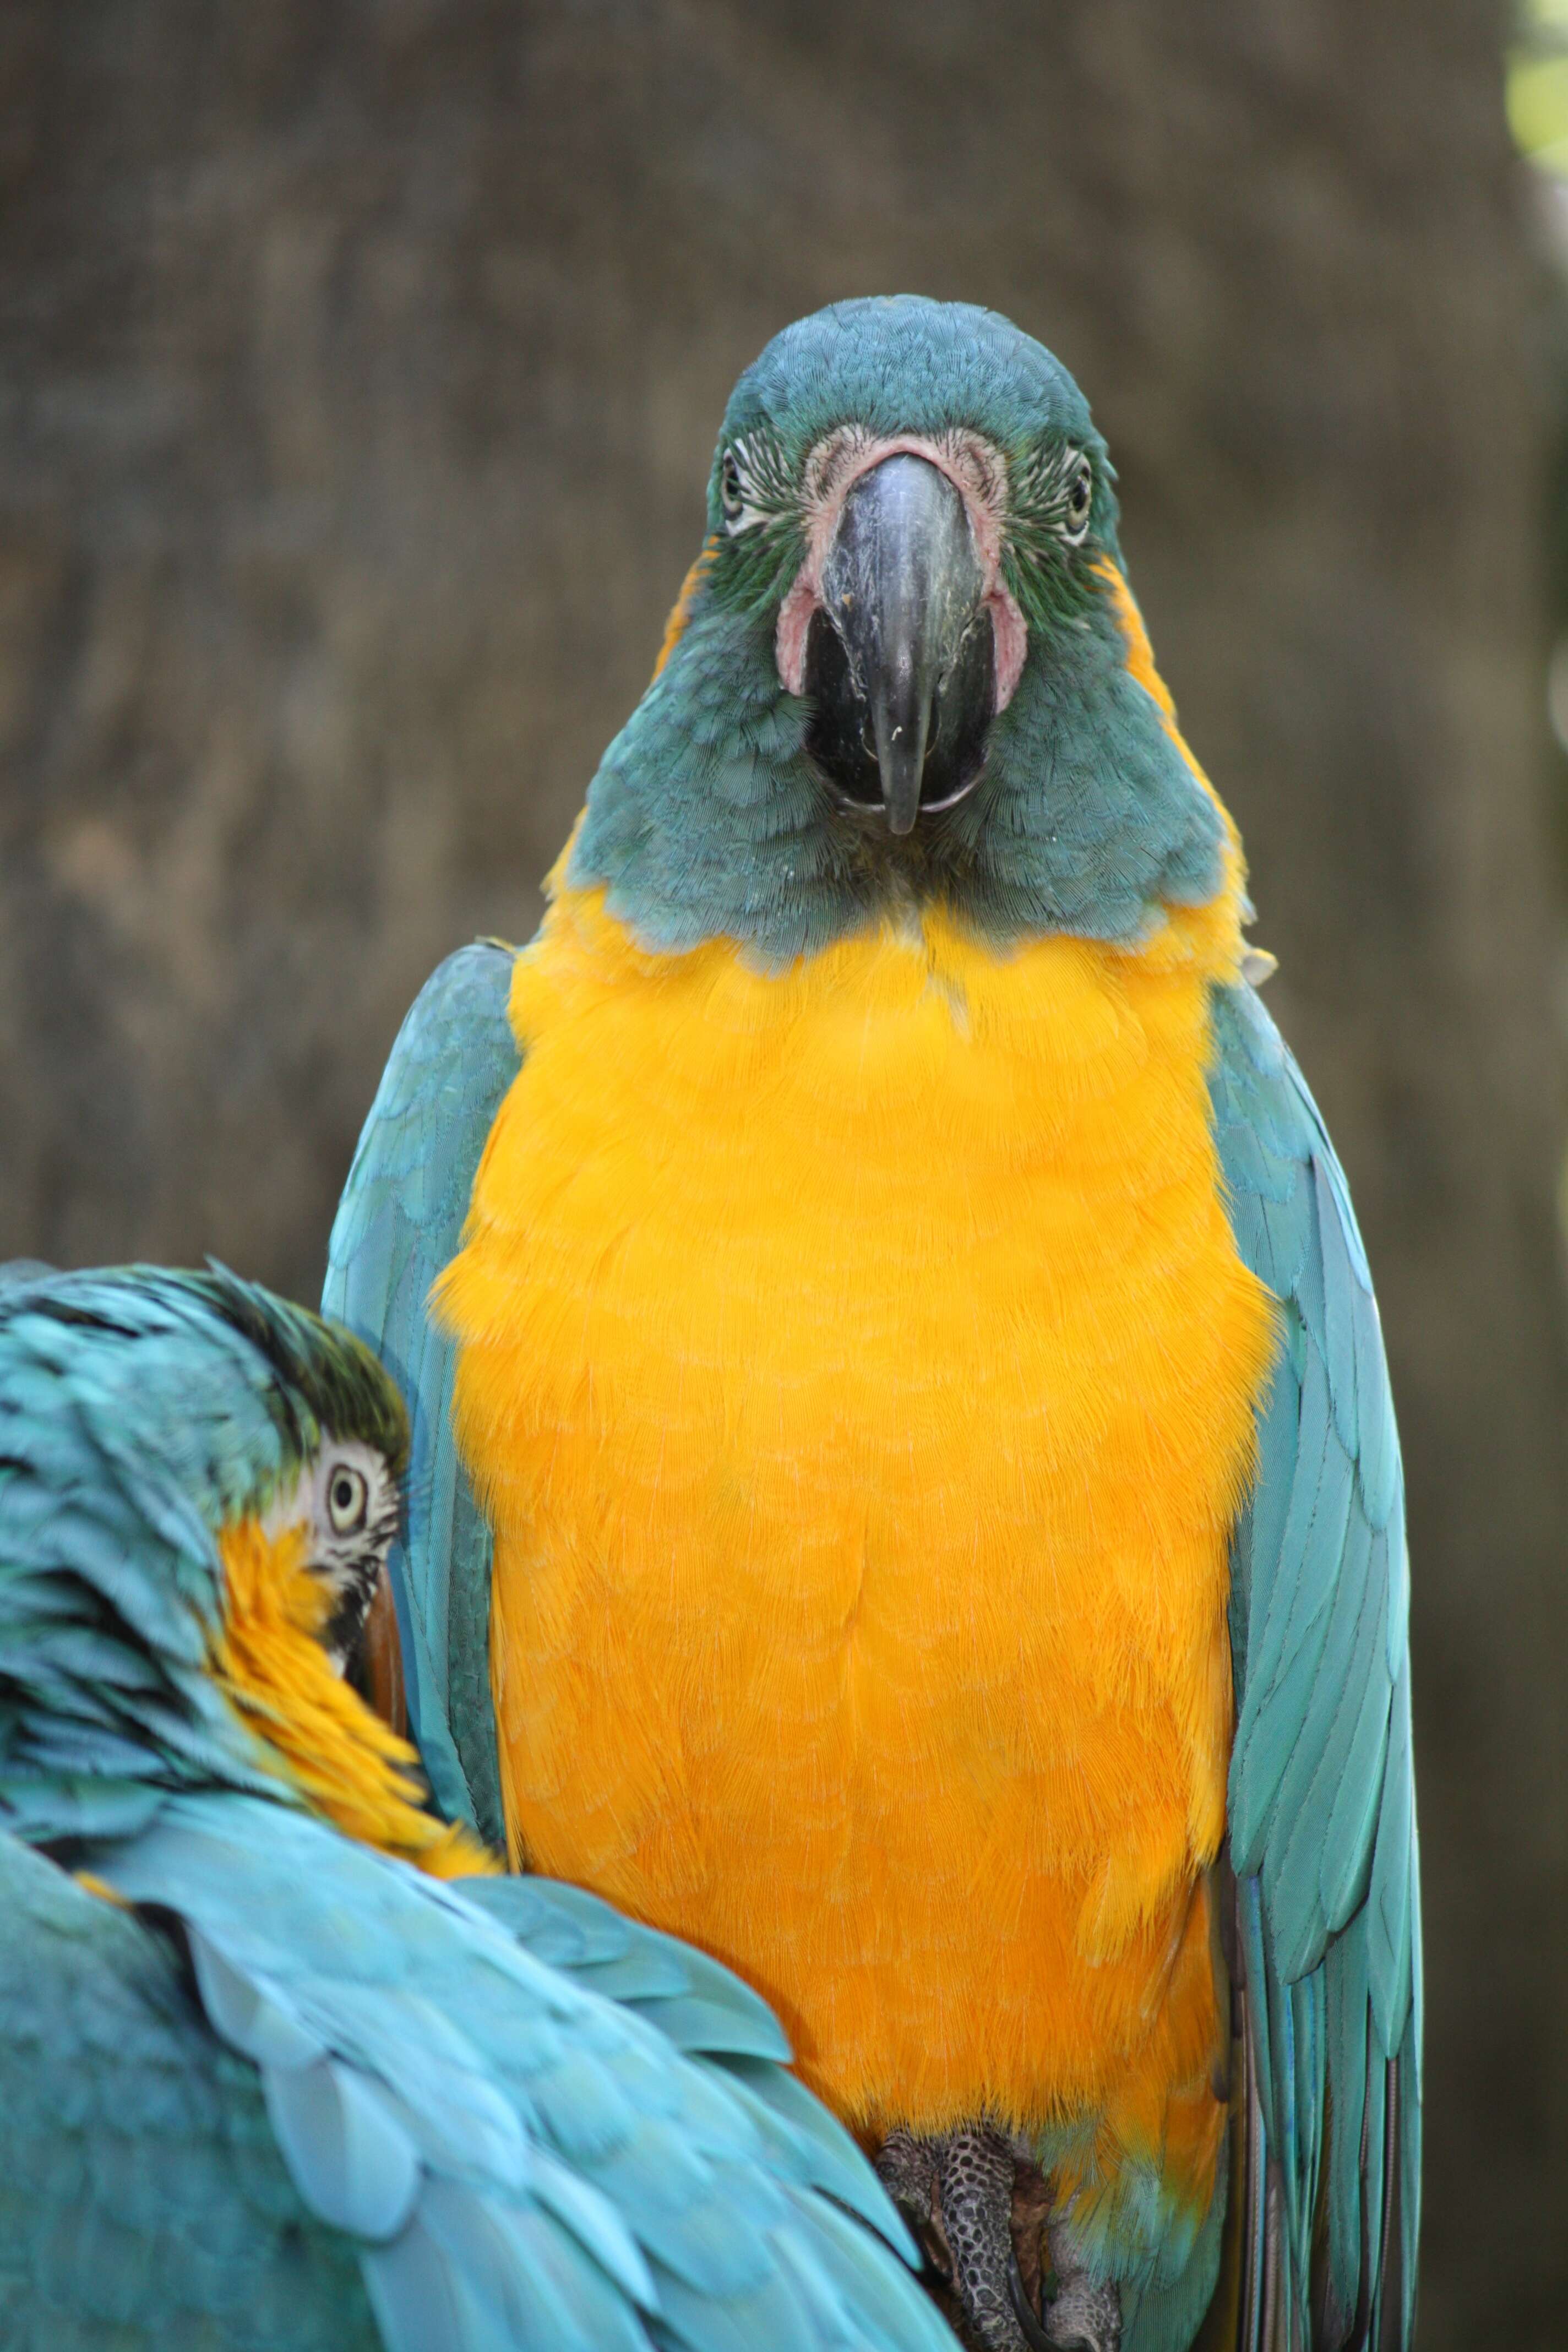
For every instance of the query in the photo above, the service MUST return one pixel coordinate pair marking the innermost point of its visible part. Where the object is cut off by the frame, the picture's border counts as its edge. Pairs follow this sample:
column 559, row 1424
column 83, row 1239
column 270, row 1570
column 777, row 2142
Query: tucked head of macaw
column 899, row 667
column 198, row 1489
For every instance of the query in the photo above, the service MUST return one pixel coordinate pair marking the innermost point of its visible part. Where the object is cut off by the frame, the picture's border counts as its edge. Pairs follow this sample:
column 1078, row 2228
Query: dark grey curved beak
column 902, row 589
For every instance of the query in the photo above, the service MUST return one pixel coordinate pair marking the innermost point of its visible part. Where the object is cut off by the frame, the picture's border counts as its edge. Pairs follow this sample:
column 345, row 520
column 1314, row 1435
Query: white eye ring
column 347, row 1498
column 1079, row 503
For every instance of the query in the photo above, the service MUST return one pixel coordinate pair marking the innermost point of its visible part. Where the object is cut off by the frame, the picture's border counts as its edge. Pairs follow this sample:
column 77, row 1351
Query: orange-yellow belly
column 859, row 1371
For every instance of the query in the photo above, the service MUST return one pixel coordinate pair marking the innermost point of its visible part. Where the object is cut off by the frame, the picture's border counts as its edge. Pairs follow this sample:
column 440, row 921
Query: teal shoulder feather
column 707, row 2013
column 398, row 1224
column 143, row 2200
column 1321, row 1807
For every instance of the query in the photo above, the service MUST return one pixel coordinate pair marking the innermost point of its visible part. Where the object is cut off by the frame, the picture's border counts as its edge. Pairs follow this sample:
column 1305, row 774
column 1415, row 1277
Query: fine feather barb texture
column 1322, row 1809
column 398, row 1224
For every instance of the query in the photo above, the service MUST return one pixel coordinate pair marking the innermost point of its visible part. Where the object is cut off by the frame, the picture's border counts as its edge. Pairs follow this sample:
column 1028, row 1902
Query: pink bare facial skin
column 979, row 475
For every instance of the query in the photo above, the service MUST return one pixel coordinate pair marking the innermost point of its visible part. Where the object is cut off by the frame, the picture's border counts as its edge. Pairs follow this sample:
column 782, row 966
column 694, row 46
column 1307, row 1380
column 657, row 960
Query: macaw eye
column 731, row 495
column 347, row 1498
column 1080, row 498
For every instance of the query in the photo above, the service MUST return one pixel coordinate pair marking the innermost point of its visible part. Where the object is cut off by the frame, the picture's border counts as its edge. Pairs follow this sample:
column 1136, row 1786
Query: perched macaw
column 905, row 1488
column 270, row 2079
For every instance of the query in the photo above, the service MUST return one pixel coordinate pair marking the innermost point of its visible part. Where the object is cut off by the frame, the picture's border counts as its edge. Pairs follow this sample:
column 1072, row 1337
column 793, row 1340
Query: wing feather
column 143, row 2198
column 1321, row 1814
column 398, row 1224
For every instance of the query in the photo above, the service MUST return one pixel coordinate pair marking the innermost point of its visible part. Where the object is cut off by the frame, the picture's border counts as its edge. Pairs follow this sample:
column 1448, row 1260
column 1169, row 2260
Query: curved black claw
column 1023, row 2312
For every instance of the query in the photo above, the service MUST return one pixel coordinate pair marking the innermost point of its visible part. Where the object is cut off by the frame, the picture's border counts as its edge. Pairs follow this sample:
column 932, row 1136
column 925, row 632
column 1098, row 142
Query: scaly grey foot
column 961, row 2192
column 1085, row 2312
column 958, row 2191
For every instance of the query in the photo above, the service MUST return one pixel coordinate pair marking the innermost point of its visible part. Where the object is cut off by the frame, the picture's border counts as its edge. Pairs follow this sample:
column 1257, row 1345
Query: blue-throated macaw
column 276, row 2073
column 906, row 1493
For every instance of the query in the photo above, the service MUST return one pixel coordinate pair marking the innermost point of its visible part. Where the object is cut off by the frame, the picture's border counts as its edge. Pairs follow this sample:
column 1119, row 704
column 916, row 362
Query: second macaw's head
column 899, row 668
column 201, row 1490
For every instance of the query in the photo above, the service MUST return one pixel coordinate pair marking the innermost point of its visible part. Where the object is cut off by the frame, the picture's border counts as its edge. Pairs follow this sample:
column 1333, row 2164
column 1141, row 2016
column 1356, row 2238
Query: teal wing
column 530, row 2156
column 399, row 1223
column 706, row 2011
column 143, row 2202
column 1321, row 1805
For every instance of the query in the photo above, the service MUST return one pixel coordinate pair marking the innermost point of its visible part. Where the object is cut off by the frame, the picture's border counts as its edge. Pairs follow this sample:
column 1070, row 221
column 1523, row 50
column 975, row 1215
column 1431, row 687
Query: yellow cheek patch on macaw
column 857, row 1369
column 351, row 1768
column 680, row 611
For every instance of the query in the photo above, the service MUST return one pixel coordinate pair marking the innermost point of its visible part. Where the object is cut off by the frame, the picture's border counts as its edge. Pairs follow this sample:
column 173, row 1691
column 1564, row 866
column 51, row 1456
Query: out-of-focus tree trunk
column 362, row 360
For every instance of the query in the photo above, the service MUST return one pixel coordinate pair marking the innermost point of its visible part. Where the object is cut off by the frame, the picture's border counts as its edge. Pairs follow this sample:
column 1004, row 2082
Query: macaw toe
column 1084, row 2314
column 978, row 2206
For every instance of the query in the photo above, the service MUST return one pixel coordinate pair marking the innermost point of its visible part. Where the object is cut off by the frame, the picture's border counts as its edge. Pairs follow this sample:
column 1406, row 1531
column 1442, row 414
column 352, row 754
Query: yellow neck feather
column 349, row 1766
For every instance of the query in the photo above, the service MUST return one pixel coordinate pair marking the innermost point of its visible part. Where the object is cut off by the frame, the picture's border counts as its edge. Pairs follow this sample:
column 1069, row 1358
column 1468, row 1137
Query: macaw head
column 898, row 671
column 247, row 1410
column 198, row 1487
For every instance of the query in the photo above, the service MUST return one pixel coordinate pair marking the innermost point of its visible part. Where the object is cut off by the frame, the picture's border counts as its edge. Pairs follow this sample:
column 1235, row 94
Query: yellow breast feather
column 858, row 1371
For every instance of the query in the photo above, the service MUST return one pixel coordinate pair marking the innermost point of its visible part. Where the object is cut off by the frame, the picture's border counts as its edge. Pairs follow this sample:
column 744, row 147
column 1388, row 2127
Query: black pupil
column 1080, row 494
column 345, row 1495
column 732, row 482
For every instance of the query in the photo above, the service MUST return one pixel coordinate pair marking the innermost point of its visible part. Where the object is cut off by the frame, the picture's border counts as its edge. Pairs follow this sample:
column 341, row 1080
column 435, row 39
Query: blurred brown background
column 361, row 364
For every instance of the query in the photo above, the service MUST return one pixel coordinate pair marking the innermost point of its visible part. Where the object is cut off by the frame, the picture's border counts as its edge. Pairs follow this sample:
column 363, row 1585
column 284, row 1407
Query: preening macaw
column 906, row 1493
column 275, row 2074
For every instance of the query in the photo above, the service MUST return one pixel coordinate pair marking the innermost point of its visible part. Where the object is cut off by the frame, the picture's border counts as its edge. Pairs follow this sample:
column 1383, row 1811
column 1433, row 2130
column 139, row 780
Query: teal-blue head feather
column 142, row 1411
column 709, row 817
